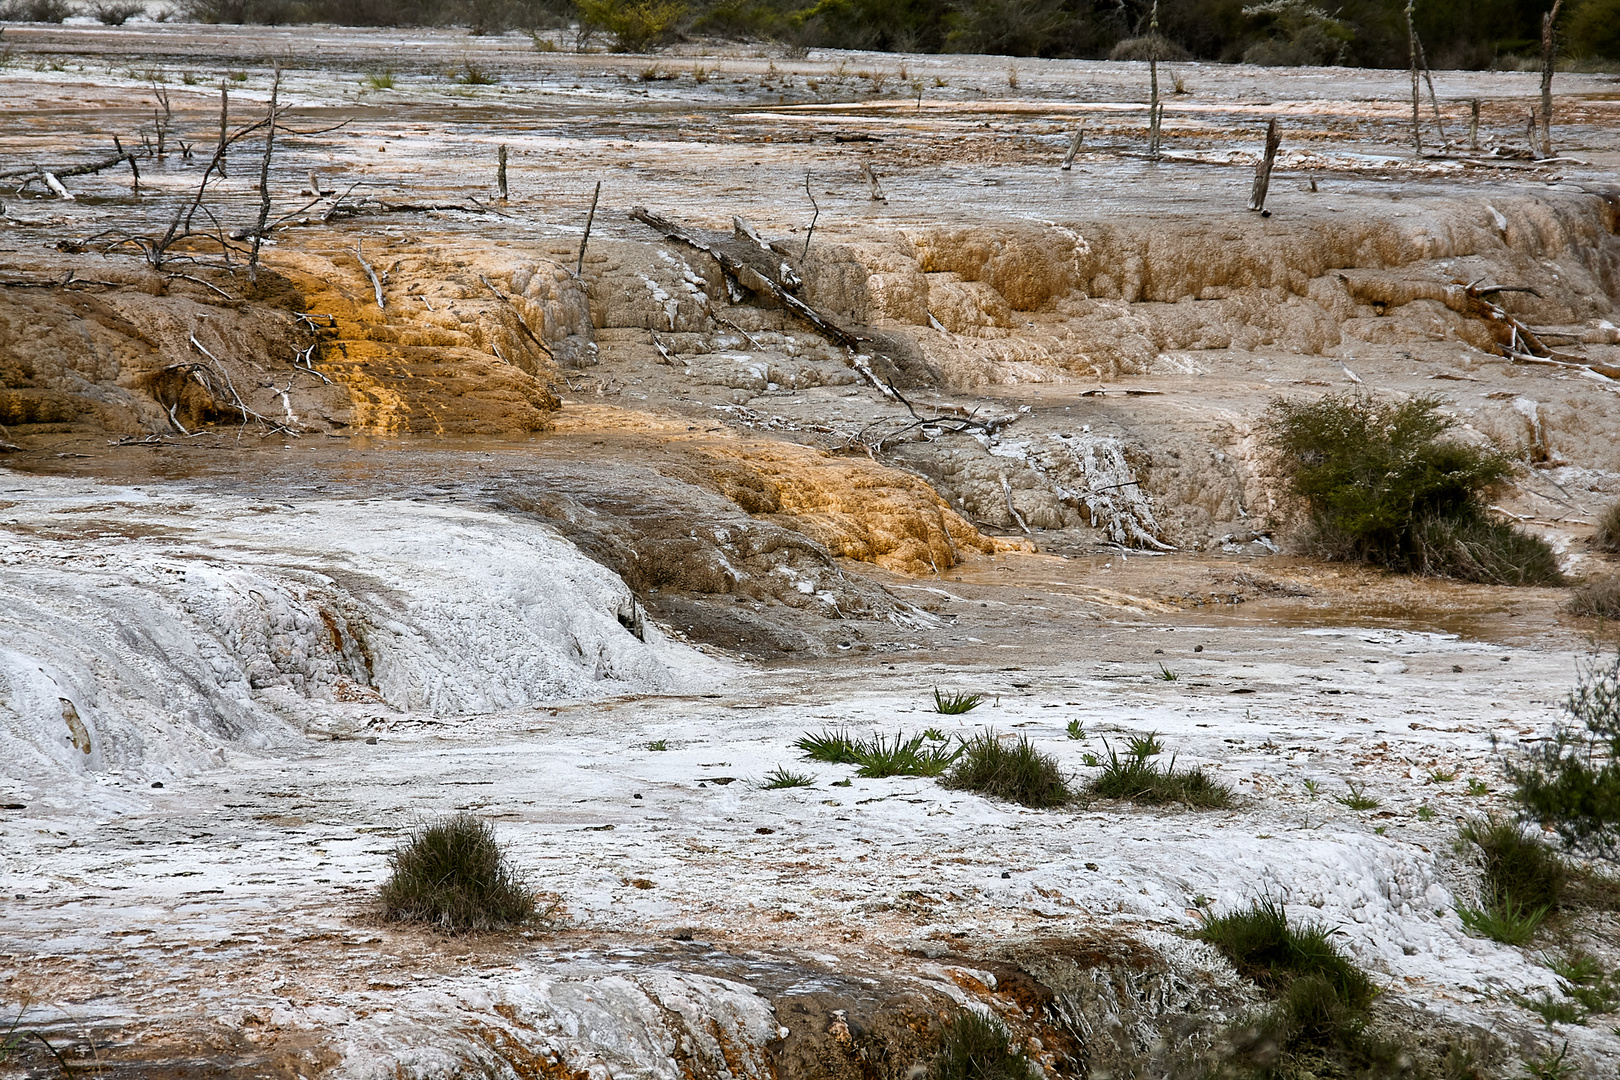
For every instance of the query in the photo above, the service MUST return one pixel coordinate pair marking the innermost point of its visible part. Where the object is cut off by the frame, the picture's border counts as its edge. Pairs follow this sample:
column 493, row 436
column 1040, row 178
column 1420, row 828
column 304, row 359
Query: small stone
column 372, row 741
column 1198, row 648
column 637, row 795
column 1091, row 866
column 764, row 831
column 157, row 783
column 1158, row 652
column 1456, row 667
column 1006, row 873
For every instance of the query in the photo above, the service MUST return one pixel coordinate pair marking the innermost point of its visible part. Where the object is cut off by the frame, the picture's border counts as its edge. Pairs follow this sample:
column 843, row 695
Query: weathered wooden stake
column 1074, row 147
column 1262, row 170
column 872, row 182
column 1153, row 80
column 579, row 270
column 224, row 123
column 1548, row 53
column 500, row 171
column 264, row 179
column 814, row 217
column 1473, row 124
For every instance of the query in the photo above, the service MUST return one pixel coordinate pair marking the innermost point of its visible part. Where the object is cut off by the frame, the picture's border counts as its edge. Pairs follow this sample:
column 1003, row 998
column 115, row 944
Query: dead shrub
column 1598, row 599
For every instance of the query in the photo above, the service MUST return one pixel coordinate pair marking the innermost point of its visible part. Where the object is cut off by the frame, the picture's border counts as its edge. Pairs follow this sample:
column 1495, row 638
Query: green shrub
column 1571, row 781
column 902, row 756
column 1144, row 781
column 1598, row 599
column 1378, row 484
column 636, row 25
column 452, row 875
column 1018, row 773
column 1607, row 536
column 1523, row 882
column 1265, row 947
column 976, row 1047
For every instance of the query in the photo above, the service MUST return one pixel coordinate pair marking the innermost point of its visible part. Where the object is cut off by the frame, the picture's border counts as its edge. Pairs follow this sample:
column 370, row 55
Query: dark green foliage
column 1017, row 772
column 786, row 778
column 1144, row 781
column 1593, row 30
column 1607, row 536
column 1572, row 781
column 1264, row 946
column 43, row 11
column 836, row 747
column 902, row 756
column 1523, row 882
column 1598, row 599
column 1378, row 484
column 976, row 1047
column 452, row 875
column 956, row 704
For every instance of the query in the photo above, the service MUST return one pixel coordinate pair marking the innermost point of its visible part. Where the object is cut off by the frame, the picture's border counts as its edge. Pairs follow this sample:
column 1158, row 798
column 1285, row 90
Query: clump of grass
column 1166, row 674
column 658, row 744
column 1442, row 776
column 934, row 734
column 1523, row 882
column 238, row 76
column 1143, row 781
column 786, row 778
column 1076, row 730
column 1476, row 787
column 1265, row 947
column 1584, row 981
column 1572, row 781
column 881, row 756
column 975, row 1047
column 116, row 13
column 1598, row 598
column 834, row 747
column 1145, row 746
column 453, row 875
column 956, row 704
column 380, row 80
column 1379, row 484
column 1018, row 772
column 1607, row 536
column 1358, row 799
column 472, row 73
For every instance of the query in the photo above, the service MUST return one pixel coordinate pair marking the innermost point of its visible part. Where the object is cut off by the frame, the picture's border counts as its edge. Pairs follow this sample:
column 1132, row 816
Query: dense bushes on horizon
column 1365, row 33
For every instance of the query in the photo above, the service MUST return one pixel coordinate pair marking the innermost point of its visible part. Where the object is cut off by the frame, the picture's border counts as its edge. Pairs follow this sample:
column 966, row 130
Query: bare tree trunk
column 500, row 171
column 1548, row 54
column 579, row 269
column 1473, row 125
column 1262, row 170
column 224, row 123
column 1417, row 99
column 264, row 181
column 1153, row 80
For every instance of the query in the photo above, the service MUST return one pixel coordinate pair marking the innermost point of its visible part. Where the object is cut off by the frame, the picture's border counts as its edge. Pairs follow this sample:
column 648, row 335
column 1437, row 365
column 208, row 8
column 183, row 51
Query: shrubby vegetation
column 452, row 875
column 1523, row 881
column 1379, row 484
column 976, row 1047
column 1018, row 772
column 1367, row 33
column 1571, row 782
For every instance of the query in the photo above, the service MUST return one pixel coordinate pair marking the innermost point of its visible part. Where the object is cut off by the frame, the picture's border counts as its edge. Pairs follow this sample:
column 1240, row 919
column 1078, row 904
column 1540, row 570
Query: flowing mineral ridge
column 343, row 491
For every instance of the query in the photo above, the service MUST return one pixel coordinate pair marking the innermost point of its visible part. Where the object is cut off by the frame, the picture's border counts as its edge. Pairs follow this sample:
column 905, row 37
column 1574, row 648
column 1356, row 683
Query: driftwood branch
column 579, row 269
column 521, row 321
column 1262, row 169
column 376, row 283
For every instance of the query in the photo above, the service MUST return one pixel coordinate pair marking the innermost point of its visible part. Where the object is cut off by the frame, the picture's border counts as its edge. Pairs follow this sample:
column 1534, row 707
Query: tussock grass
column 786, row 778
column 1607, row 536
column 1147, row 782
column 453, row 875
column 1598, row 598
column 956, row 704
column 1265, row 947
column 1358, row 799
column 976, row 1047
column 1524, row 882
column 880, row 755
column 834, row 747
column 1018, row 772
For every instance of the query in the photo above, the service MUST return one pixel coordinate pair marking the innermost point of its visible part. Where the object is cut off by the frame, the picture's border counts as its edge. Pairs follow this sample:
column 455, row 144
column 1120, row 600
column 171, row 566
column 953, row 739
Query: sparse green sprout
column 381, row 80
column 1143, row 781
column 472, row 73
column 975, row 1047
column 1166, row 674
column 1552, row 1010
column 1201, row 901
column 658, row 744
column 238, row 76
column 453, row 875
column 1313, row 788
column 1145, row 746
column 1090, row 760
column 1018, row 772
column 1380, row 830
column 845, row 782
column 1551, row 1066
column 1476, row 787
column 1076, row 730
column 1442, row 776
column 784, row 778
column 1358, row 799
column 933, row 734
column 956, row 704
column 1425, row 812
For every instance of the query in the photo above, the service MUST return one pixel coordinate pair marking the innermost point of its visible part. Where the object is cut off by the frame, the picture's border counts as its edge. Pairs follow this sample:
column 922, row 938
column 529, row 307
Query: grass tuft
column 975, row 1047
column 1597, row 599
column 1265, row 947
column 381, row 80
column 901, row 756
column 1166, row 675
column 834, row 747
column 956, row 704
column 1524, row 881
column 1143, row 781
column 453, row 875
column 1358, row 799
column 786, row 778
column 1076, row 730
column 1145, row 746
column 1018, row 772
column 1607, row 536
column 658, row 744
